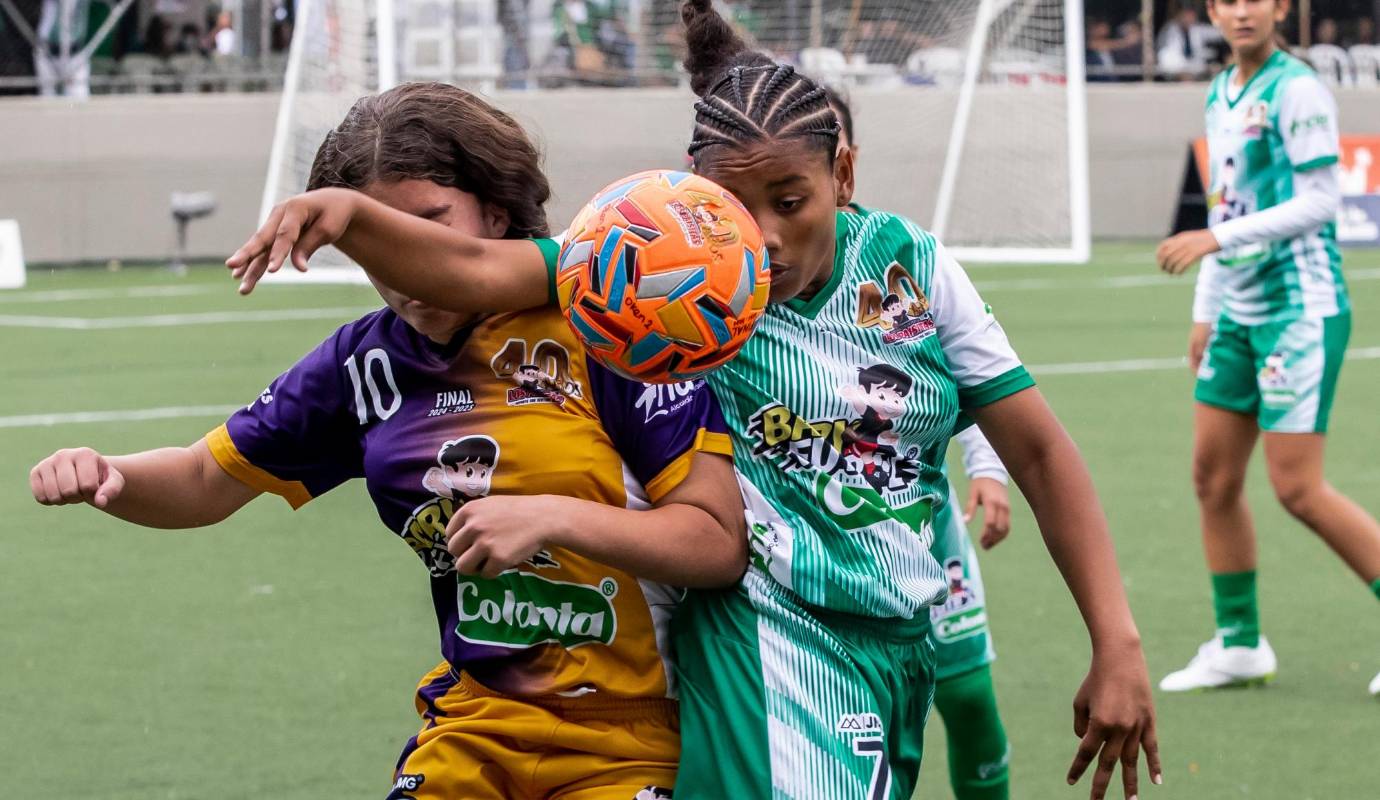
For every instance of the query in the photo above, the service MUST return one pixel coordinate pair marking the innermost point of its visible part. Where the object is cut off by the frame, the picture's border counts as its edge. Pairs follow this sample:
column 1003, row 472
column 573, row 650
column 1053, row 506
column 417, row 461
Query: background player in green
column 812, row 678
column 979, row 753
column 1271, row 322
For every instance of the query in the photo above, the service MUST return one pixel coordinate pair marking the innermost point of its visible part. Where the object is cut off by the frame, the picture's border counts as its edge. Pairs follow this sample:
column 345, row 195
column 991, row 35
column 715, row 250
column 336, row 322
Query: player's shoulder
column 374, row 329
column 1299, row 81
column 883, row 231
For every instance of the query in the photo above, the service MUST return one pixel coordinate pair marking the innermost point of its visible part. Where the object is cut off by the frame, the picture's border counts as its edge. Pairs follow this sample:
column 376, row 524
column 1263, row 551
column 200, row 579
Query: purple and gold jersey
column 515, row 407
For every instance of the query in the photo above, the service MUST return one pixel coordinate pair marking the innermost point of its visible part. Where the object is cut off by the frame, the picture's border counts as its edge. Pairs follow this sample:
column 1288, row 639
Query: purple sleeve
column 657, row 427
column 302, row 431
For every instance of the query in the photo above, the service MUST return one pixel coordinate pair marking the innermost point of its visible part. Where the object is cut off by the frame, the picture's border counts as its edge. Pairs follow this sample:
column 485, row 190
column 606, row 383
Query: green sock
column 979, row 756
column 1233, row 601
column 1375, row 587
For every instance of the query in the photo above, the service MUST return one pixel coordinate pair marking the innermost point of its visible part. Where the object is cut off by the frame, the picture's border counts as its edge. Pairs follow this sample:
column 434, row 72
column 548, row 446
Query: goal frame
column 385, row 51
column 1079, row 250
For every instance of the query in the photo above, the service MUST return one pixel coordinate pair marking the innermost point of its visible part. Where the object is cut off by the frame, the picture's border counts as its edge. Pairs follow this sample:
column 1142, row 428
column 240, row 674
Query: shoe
column 1375, row 686
column 1219, row 667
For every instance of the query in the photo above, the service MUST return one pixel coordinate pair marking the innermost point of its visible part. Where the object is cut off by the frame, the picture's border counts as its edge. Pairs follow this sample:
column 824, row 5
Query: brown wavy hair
column 439, row 133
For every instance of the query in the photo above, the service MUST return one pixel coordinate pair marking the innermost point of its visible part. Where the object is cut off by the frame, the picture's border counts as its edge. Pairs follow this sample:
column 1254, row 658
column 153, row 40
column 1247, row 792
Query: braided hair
column 745, row 96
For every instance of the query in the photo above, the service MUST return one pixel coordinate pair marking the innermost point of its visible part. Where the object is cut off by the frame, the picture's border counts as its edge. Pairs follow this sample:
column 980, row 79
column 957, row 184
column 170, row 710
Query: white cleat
column 1375, row 686
column 1218, row 667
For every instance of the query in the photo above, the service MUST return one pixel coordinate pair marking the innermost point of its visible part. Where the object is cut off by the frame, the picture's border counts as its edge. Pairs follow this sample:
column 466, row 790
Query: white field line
column 179, row 320
column 135, row 415
column 65, row 295
column 174, row 412
column 1149, row 364
column 1126, row 282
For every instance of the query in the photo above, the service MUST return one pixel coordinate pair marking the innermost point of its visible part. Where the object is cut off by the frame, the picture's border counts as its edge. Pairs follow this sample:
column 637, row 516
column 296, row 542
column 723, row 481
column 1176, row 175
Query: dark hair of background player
column 745, row 95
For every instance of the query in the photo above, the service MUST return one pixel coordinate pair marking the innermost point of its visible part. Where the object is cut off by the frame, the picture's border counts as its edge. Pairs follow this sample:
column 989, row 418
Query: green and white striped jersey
column 1282, row 122
column 841, row 409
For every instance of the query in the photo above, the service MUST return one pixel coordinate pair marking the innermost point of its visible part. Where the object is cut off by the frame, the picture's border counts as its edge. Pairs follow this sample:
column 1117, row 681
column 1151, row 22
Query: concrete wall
column 91, row 181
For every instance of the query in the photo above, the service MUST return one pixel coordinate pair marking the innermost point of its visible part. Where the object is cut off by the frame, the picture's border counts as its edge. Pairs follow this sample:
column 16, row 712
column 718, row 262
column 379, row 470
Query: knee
column 1299, row 497
column 1215, row 485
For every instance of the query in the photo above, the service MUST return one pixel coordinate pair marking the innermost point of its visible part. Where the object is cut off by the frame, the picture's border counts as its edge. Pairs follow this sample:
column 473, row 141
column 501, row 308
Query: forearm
column 1060, row 491
column 676, row 544
column 442, row 266
column 1315, row 203
column 1047, row 467
column 173, row 487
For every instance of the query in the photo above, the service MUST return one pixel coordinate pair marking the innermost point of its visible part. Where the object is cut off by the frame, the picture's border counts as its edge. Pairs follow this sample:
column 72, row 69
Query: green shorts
column 778, row 701
column 1283, row 373
column 962, row 640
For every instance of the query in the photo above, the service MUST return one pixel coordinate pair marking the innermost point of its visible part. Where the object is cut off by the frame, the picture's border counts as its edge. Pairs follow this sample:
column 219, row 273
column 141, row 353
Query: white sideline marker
column 11, row 255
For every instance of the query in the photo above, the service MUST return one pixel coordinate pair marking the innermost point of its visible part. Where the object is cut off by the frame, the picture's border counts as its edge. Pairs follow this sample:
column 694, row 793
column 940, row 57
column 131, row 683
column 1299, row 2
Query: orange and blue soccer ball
column 663, row 276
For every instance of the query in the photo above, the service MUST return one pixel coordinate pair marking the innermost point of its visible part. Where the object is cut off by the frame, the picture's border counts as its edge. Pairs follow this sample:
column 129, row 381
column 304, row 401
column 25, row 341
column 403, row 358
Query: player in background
column 979, row 753
column 1271, row 319
column 813, row 677
column 552, row 522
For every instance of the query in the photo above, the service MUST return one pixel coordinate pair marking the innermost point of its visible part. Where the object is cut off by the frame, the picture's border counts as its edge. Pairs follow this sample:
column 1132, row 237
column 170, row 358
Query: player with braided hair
column 979, row 754
column 812, row 678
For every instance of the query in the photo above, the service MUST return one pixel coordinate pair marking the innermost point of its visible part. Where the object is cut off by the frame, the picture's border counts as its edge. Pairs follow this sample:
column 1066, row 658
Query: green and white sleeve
column 982, row 362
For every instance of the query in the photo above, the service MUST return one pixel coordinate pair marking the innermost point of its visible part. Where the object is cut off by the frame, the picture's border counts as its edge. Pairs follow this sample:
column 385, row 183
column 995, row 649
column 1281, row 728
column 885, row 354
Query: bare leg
column 1295, row 462
column 1222, row 445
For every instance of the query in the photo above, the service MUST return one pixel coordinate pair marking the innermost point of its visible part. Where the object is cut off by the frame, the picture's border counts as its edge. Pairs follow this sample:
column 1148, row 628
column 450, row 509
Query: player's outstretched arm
column 1114, row 716
column 693, row 537
column 172, row 487
column 432, row 263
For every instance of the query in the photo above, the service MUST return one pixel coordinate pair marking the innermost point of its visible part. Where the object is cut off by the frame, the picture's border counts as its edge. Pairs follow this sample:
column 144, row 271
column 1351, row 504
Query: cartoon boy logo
column 534, row 386
column 904, row 319
column 1273, row 375
column 1255, row 120
column 466, row 468
column 960, row 594
column 894, row 316
column 1224, row 203
column 869, row 443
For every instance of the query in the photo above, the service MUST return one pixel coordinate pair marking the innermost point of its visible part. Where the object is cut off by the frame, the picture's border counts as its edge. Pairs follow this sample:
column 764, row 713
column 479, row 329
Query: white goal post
column 1077, row 248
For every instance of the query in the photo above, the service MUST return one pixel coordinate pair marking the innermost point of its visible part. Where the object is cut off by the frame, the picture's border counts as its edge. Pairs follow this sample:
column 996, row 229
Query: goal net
column 969, row 113
column 333, row 61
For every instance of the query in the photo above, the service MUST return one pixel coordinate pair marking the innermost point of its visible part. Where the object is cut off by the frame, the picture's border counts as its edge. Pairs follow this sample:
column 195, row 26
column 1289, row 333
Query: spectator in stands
column 1186, row 45
column 1325, row 32
column 158, row 37
column 189, row 39
column 885, row 41
column 1128, row 48
column 16, row 56
column 1098, row 53
column 1365, row 31
column 221, row 40
column 592, row 44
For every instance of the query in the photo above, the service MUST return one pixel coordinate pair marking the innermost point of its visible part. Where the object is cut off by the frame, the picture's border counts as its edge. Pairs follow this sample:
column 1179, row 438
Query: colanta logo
column 519, row 609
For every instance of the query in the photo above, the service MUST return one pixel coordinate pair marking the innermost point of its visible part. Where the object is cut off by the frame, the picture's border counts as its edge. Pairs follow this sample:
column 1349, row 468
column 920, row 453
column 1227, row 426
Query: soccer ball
column 663, row 276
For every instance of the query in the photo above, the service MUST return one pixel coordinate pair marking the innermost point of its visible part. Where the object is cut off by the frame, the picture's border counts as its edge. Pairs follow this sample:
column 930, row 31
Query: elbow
column 728, row 561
